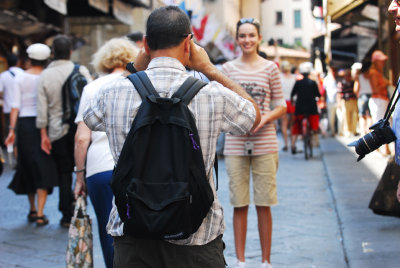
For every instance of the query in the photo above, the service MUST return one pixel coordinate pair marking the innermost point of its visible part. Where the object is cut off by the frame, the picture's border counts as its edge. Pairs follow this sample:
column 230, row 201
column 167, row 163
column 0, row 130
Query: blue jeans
column 101, row 195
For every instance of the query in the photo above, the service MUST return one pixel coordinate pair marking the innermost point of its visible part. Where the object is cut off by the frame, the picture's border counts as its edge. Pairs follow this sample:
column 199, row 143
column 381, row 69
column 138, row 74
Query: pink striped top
column 264, row 85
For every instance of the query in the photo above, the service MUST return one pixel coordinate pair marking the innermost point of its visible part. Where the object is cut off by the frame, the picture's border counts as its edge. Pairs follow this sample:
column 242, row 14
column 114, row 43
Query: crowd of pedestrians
column 244, row 100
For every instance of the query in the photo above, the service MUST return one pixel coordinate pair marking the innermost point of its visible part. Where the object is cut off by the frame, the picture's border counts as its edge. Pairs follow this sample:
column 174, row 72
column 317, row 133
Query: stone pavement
column 322, row 219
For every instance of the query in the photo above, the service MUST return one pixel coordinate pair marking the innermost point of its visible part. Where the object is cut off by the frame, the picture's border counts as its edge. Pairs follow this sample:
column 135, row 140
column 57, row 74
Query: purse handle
column 80, row 207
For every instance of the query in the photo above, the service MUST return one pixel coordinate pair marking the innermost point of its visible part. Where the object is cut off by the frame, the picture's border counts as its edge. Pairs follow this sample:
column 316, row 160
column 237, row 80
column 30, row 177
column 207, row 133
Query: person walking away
column 306, row 92
column 330, row 85
column 379, row 98
column 6, row 89
column 362, row 88
column 257, row 150
column 57, row 137
column 288, row 80
column 36, row 173
column 221, row 105
column 93, row 157
column 348, row 102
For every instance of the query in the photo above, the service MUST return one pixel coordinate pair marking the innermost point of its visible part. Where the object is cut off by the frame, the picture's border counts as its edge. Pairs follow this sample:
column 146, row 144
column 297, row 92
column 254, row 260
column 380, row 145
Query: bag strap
column 189, row 89
column 143, row 85
column 12, row 73
column 76, row 68
column 390, row 108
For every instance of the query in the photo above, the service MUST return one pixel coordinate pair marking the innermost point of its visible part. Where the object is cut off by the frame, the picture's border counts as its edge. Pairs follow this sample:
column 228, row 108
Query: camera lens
column 367, row 144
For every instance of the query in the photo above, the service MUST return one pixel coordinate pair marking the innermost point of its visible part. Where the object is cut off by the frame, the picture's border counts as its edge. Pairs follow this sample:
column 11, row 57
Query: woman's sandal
column 41, row 221
column 32, row 216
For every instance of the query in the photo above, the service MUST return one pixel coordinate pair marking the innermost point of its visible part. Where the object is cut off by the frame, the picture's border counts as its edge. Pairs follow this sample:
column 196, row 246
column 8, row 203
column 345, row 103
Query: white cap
column 356, row 66
column 38, row 51
column 305, row 68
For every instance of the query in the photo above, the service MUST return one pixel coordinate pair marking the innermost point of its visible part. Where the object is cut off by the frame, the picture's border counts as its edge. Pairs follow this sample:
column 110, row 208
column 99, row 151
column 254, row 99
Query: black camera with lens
column 381, row 134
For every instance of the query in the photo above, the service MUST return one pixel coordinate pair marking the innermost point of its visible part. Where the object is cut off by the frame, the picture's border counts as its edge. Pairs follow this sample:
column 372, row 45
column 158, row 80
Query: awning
column 338, row 8
column 23, row 24
column 284, row 52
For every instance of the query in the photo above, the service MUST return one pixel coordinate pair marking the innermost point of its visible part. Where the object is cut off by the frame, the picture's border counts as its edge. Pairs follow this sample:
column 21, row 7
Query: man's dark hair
column 166, row 27
column 12, row 60
column 38, row 62
column 135, row 36
column 62, row 47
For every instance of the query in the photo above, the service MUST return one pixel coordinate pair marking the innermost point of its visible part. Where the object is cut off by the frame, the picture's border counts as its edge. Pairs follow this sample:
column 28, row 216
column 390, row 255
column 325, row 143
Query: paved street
column 322, row 219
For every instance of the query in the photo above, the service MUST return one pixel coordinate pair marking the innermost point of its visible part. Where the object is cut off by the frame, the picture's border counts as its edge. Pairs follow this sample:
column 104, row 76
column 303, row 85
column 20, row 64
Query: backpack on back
column 160, row 184
column 71, row 94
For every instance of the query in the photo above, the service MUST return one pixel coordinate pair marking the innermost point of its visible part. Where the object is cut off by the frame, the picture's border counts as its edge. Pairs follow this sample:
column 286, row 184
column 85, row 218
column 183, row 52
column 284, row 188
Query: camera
column 381, row 133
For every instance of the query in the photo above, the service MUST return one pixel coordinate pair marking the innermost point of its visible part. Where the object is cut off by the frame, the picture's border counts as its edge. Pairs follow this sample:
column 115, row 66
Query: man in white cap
column 57, row 136
column 6, row 85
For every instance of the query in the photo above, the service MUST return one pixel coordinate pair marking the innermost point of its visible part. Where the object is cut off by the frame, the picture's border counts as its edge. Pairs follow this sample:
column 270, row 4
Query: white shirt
column 99, row 157
column 7, row 85
column 24, row 95
column 287, row 85
column 365, row 85
column 330, row 86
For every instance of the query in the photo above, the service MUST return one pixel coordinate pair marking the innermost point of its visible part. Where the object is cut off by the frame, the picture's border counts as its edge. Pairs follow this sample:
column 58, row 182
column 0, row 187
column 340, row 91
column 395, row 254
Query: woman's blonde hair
column 117, row 52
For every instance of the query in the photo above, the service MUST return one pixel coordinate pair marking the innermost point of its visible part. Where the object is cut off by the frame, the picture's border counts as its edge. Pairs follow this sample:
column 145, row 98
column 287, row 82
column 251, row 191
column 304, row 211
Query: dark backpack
column 71, row 94
column 160, row 184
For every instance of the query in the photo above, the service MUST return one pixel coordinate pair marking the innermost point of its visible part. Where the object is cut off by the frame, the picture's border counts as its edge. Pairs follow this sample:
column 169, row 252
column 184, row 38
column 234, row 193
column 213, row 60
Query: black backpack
column 71, row 94
column 160, row 184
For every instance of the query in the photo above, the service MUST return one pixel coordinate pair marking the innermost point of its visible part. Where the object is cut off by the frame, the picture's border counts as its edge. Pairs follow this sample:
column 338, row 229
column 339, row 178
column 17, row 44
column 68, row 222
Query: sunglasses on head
column 248, row 20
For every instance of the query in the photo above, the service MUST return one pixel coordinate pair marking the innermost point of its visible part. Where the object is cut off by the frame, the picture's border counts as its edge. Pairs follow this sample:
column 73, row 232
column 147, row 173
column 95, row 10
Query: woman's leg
column 101, row 195
column 41, row 200
column 265, row 231
column 284, row 127
column 31, row 199
column 240, row 230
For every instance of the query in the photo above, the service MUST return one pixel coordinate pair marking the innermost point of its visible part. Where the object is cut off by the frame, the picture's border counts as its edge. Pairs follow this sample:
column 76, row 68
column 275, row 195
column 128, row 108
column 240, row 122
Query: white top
column 6, row 86
column 99, row 158
column 287, row 85
column 330, row 86
column 24, row 95
column 365, row 85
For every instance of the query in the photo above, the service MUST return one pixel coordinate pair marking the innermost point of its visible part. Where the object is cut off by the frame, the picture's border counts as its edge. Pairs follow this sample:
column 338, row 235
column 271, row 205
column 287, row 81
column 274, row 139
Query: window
column 280, row 42
column 297, row 19
column 298, row 42
column 279, row 19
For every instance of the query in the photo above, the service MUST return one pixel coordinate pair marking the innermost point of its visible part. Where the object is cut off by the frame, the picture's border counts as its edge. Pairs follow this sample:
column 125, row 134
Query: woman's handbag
column 384, row 201
column 80, row 238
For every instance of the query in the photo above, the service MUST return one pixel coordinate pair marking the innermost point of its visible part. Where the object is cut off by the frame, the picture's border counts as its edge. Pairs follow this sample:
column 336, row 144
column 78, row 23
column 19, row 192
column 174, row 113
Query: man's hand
column 142, row 60
column 199, row 60
column 45, row 141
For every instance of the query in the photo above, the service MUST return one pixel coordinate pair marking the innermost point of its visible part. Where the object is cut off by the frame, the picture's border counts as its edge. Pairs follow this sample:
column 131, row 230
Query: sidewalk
column 322, row 219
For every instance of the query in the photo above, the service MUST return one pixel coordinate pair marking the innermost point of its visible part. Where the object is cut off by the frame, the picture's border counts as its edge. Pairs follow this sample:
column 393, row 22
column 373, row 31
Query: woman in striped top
column 257, row 150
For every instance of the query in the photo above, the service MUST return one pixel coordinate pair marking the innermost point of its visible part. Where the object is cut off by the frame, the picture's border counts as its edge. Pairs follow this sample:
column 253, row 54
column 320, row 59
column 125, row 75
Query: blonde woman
column 92, row 153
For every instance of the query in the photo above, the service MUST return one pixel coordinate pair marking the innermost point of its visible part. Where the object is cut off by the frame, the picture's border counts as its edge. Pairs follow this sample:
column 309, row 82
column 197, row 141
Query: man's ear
column 146, row 46
column 187, row 44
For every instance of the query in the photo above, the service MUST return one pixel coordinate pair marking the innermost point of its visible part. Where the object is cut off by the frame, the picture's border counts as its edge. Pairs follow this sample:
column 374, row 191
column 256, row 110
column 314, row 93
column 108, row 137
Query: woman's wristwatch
column 78, row 170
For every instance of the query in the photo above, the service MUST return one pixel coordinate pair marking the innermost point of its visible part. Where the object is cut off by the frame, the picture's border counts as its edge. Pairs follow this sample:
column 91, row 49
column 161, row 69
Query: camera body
column 381, row 134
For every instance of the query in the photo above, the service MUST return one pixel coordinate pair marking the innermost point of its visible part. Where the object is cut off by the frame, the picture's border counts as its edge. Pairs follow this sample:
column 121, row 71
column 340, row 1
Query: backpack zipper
column 195, row 145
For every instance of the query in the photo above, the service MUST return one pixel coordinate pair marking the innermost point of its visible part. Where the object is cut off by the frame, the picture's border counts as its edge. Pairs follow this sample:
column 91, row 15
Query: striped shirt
column 216, row 109
column 264, row 85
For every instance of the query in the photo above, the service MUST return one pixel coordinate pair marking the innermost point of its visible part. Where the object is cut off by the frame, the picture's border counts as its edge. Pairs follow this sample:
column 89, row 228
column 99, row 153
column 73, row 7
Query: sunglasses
column 248, row 20
column 186, row 35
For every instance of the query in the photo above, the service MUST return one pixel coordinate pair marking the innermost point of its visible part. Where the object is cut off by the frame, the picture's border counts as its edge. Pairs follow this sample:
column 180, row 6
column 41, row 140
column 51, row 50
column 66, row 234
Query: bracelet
column 10, row 127
column 80, row 170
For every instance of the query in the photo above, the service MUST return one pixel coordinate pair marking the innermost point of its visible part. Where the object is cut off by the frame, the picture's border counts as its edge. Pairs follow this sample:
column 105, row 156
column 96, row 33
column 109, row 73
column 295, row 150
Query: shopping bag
column 384, row 201
column 80, row 238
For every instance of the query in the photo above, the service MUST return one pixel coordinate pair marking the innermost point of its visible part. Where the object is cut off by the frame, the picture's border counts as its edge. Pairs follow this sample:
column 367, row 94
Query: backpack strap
column 76, row 68
column 11, row 72
column 189, row 89
column 143, row 84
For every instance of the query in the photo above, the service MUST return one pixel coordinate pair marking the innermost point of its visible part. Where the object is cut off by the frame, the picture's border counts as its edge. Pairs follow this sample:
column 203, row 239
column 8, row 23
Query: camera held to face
column 381, row 134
